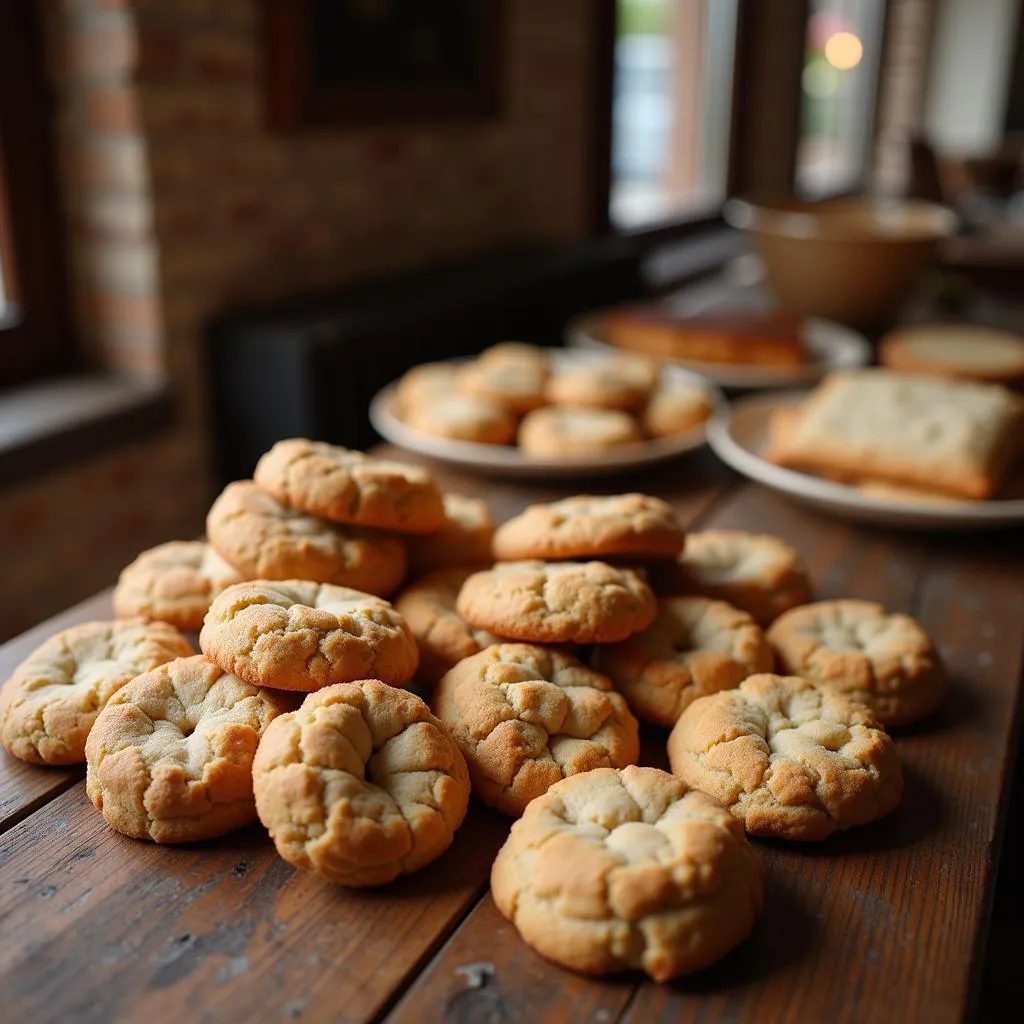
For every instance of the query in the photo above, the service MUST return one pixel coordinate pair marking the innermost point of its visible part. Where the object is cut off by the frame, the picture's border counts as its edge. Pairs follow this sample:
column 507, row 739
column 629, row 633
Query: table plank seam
column 19, row 814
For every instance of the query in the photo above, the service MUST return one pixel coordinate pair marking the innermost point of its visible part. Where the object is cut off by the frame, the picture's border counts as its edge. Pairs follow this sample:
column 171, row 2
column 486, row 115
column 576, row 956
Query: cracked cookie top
column 695, row 646
column 361, row 784
column 297, row 635
column 592, row 526
column 611, row 870
column 51, row 701
column 173, row 582
column 557, row 602
column 465, row 538
column 759, row 573
column 443, row 637
column 266, row 539
column 526, row 716
column 350, row 487
column 856, row 647
column 788, row 758
column 170, row 756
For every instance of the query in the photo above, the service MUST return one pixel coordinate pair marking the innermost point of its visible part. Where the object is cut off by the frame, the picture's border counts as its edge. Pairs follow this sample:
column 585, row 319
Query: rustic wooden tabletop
column 886, row 922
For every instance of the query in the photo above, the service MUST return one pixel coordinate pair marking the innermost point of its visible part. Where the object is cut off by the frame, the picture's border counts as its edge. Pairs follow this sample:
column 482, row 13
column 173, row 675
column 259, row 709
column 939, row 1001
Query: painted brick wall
column 181, row 203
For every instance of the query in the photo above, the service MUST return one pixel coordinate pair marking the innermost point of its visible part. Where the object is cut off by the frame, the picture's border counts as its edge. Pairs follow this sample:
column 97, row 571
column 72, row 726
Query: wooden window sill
column 50, row 424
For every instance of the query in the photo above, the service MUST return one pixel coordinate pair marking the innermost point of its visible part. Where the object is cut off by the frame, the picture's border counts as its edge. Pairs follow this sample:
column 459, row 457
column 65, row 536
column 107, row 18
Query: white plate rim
column 584, row 332
column 836, row 495
column 506, row 460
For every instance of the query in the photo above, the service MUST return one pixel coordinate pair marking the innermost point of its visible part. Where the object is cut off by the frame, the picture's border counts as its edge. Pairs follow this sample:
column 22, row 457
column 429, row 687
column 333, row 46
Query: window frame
column 748, row 75
column 35, row 336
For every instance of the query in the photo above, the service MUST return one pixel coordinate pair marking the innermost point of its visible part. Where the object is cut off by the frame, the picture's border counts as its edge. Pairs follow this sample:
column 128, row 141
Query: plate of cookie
column 886, row 448
column 519, row 410
column 742, row 349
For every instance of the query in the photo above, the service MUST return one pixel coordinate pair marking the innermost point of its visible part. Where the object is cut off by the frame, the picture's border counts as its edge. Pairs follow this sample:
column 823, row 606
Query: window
column 840, row 75
column 671, row 109
column 33, row 283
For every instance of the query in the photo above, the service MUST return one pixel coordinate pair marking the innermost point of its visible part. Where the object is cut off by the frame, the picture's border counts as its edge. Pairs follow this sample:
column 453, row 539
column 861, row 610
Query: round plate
column 829, row 346
column 502, row 460
column 739, row 435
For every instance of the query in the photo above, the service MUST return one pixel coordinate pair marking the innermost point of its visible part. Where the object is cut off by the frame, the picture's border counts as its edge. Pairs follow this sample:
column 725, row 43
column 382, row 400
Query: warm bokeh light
column 843, row 50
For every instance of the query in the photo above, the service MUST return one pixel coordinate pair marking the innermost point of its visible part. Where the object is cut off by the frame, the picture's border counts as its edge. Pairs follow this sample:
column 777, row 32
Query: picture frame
column 353, row 62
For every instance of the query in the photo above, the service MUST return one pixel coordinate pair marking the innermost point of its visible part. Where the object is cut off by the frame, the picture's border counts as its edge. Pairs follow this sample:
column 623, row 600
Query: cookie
column 510, row 376
column 611, row 384
column 899, row 492
column 170, row 756
column 349, row 487
column 562, row 432
column 675, row 410
column 463, row 418
column 296, row 635
column 953, row 436
column 956, row 350
column 525, row 717
column 265, row 539
column 612, row 870
column 425, row 383
column 788, row 758
column 173, row 582
column 361, row 784
column 557, row 602
column 52, row 699
column 636, row 526
column 442, row 636
column 756, row 572
column 694, row 647
column 856, row 647
column 465, row 538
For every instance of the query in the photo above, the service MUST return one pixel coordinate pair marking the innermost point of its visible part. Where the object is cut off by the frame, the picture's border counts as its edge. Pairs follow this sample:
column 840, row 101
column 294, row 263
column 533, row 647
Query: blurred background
column 224, row 222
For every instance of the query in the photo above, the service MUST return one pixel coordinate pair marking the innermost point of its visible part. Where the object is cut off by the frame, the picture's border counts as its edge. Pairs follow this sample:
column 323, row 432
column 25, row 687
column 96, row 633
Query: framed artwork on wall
column 347, row 62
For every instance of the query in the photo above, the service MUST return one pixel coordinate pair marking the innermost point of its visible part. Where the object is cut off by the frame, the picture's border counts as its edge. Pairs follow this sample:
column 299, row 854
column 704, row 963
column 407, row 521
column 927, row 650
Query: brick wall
column 181, row 203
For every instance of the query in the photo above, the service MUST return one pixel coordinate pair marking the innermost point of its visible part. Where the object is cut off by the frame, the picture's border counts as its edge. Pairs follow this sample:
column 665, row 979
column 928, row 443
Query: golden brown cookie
column 173, row 582
column 349, row 487
column 265, row 539
column 759, row 573
column 51, row 701
column 557, row 602
column 790, row 759
column 856, row 647
column 564, row 432
column 170, row 756
column 296, row 635
column 636, row 526
column 675, row 410
column 611, row 384
column 967, row 351
column 361, row 784
column 425, row 383
column 694, row 647
column 465, row 538
column 612, row 870
column 514, row 353
column 527, row 716
column 463, row 418
column 511, row 379
column 443, row 637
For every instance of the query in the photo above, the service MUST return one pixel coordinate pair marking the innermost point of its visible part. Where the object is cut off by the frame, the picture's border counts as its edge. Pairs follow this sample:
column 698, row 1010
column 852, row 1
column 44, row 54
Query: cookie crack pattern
column 361, row 784
column 526, row 716
column 790, row 759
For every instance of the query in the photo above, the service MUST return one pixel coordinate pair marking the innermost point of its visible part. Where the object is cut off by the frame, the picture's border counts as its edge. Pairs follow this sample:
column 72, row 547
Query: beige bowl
column 851, row 260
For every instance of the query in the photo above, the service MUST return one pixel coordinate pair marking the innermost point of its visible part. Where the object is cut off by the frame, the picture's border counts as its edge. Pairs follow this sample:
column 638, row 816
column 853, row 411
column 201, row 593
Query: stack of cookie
column 511, row 393
column 592, row 613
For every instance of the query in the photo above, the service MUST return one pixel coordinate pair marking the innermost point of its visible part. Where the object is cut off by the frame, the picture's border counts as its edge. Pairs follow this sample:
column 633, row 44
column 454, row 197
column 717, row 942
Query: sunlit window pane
column 671, row 112
column 839, row 77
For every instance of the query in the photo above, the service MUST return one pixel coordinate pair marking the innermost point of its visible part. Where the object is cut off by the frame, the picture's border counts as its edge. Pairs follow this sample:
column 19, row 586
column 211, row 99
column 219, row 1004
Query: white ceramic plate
column 739, row 434
column 501, row 460
column 829, row 346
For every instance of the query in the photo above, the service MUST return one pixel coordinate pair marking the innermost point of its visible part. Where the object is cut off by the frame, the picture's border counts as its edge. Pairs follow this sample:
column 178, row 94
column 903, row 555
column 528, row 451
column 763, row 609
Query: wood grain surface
column 886, row 922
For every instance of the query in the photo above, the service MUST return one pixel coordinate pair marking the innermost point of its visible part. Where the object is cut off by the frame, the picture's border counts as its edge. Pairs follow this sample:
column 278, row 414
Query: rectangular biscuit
column 958, row 437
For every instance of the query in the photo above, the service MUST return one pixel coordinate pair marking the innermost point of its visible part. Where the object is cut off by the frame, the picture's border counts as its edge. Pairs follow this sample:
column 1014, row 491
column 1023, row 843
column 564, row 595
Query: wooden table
column 886, row 922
